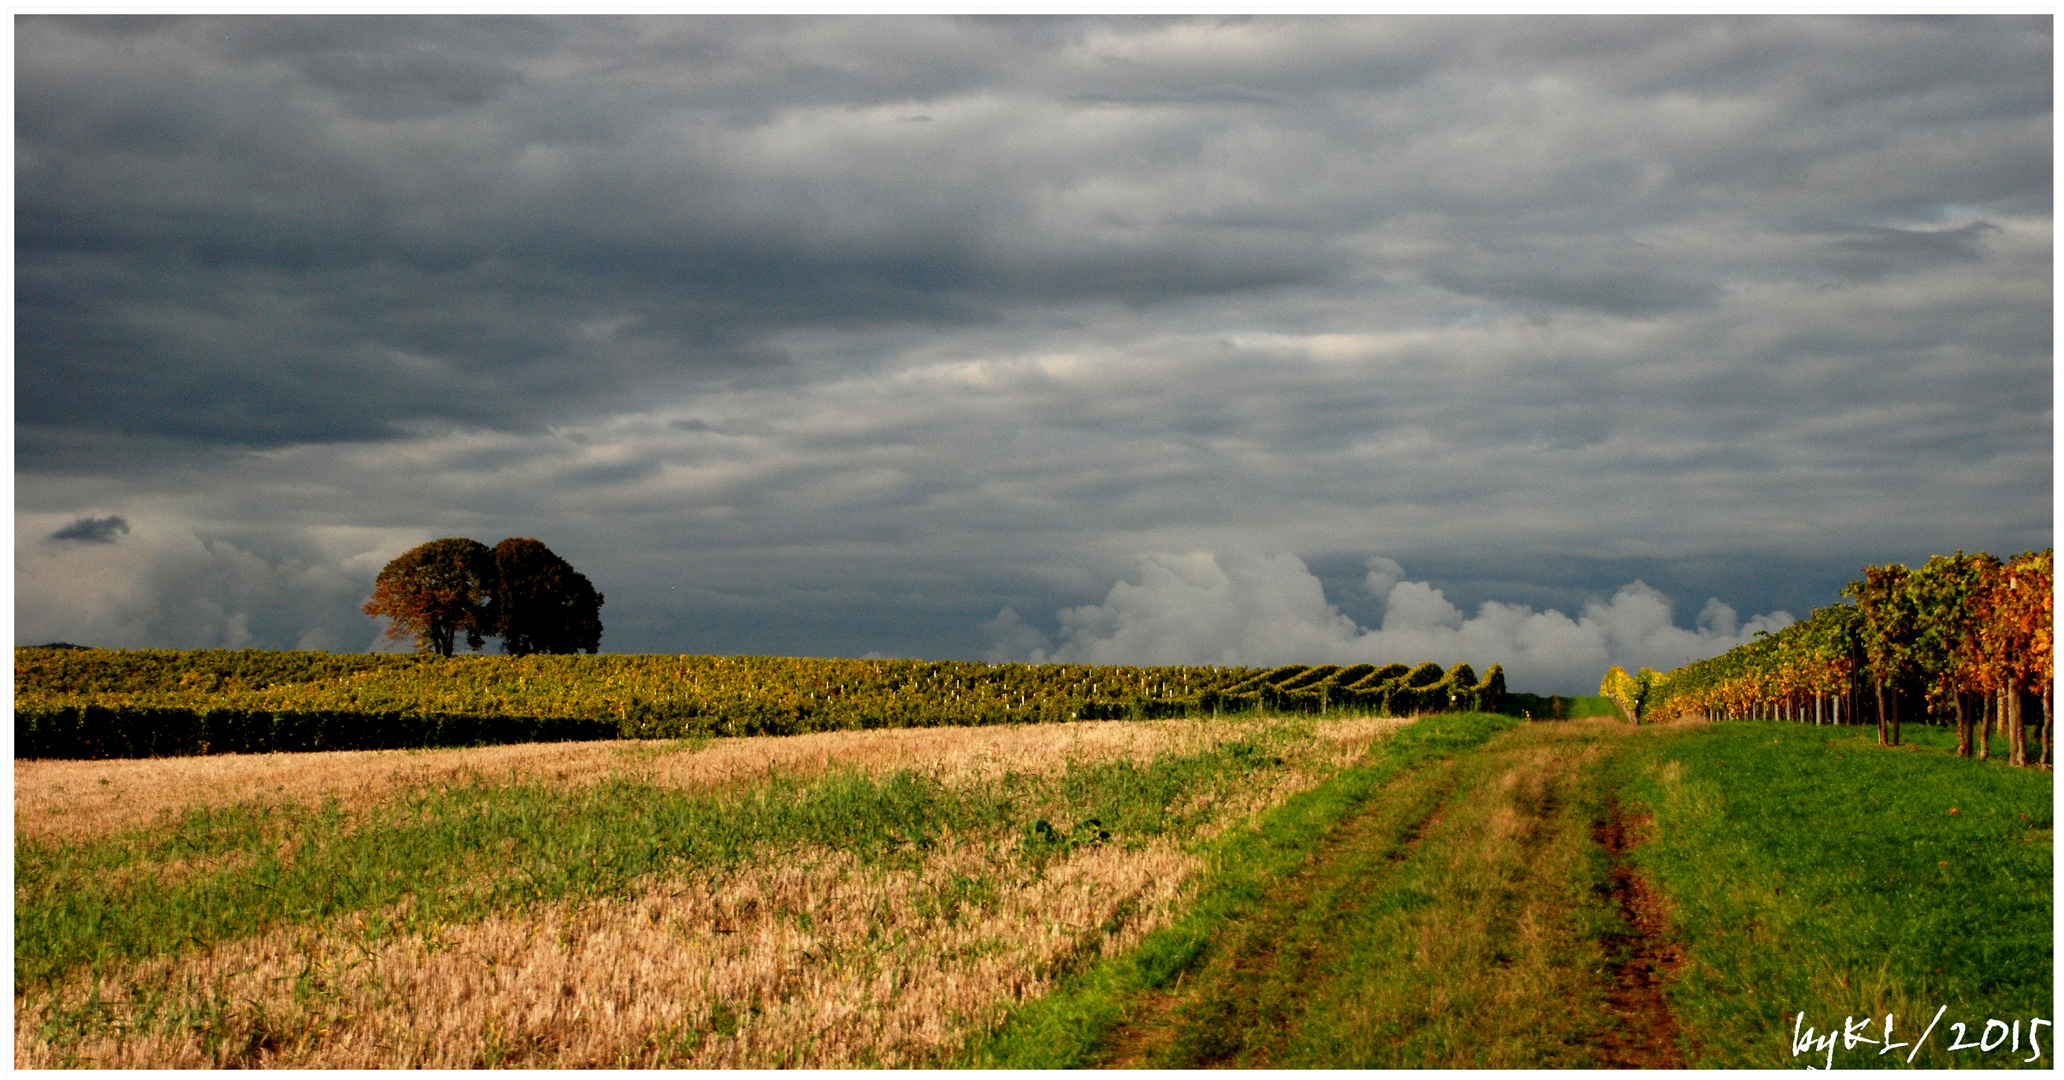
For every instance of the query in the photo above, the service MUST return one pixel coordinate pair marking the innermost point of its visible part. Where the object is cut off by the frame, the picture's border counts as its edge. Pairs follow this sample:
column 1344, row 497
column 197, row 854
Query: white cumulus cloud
column 1202, row 608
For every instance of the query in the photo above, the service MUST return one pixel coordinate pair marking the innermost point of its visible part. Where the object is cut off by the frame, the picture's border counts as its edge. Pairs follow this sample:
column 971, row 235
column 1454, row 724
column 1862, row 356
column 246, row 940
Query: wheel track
column 1158, row 1017
column 1645, row 1035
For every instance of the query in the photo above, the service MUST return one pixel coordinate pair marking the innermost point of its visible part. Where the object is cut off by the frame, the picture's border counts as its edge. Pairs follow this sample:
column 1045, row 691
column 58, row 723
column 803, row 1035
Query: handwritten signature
column 1854, row 1032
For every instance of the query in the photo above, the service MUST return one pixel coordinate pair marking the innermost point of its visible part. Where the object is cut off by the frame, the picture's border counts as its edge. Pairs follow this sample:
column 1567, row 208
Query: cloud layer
column 1268, row 610
column 835, row 336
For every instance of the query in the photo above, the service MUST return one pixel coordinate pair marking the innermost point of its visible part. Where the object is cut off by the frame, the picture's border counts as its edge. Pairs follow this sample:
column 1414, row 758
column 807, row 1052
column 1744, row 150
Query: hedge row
column 127, row 731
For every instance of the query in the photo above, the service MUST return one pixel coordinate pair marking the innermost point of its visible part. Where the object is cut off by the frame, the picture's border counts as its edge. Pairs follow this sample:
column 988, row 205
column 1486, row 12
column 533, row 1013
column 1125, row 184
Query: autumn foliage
column 520, row 591
column 435, row 592
column 1629, row 693
column 1963, row 639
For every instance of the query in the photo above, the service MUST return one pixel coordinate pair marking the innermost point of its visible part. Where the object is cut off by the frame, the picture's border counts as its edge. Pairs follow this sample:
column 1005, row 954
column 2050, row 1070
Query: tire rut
column 1646, row 1035
column 1158, row 1017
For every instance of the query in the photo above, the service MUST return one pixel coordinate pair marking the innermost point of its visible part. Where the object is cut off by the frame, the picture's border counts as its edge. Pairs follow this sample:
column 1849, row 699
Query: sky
column 1549, row 342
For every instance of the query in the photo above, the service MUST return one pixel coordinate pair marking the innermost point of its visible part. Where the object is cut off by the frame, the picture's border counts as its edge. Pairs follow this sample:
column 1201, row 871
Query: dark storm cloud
column 856, row 332
column 315, row 228
column 91, row 530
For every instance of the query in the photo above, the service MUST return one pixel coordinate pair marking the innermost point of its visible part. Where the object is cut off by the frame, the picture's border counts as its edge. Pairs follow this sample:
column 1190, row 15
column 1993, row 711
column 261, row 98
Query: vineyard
column 138, row 703
column 1963, row 640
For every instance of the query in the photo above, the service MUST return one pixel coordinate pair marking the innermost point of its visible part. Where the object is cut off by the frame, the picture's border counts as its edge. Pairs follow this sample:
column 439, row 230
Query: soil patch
column 1150, row 1031
column 1646, row 1035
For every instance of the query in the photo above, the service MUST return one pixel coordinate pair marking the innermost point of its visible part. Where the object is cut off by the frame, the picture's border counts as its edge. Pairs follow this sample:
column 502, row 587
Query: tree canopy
column 519, row 591
column 541, row 603
column 436, row 590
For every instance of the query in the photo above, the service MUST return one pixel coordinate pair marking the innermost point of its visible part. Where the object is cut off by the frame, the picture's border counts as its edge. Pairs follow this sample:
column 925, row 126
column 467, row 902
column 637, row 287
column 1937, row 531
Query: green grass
column 1584, row 708
column 1800, row 868
column 1933, row 738
column 1536, row 707
column 1489, row 947
column 1814, row 870
column 1069, row 1027
column 460, row 851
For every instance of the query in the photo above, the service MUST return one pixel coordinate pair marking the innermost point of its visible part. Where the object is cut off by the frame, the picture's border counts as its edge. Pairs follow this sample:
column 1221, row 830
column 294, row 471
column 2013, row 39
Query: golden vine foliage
column 1961, row 624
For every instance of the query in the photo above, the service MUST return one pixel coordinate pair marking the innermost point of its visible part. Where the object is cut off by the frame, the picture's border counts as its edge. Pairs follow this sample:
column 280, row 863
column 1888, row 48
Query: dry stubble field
column 870, row 898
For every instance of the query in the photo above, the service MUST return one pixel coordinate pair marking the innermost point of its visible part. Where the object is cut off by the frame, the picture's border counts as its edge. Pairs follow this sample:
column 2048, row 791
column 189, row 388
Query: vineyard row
column 129, row 703
column 1964, row 640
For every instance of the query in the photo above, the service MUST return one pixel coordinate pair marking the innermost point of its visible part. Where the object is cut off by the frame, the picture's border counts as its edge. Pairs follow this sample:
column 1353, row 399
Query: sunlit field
column 862, row 898
column 1456, row 891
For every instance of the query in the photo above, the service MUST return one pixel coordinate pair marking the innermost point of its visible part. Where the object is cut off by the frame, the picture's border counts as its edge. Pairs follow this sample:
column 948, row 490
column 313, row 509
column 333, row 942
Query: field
column 1461, row 890
column 850, row 898
column 147, row 703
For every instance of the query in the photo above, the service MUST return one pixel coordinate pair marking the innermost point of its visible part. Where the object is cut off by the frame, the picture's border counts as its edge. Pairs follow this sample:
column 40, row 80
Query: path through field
column 1455, row 920
column 1592, row 894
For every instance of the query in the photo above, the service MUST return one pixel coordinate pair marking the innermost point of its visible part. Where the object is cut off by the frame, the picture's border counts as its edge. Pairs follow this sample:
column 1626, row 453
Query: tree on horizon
column 541, row 604
column 436, row 590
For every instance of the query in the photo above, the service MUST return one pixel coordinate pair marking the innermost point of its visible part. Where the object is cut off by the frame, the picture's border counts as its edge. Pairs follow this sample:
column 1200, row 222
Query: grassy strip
column 1799, row 869
column 458, row 852
column 1815, row 871
column 1486, row 946
column 1070, row 1027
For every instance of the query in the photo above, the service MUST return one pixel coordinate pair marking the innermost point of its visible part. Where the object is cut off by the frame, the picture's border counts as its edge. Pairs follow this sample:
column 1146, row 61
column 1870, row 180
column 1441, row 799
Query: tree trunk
column 1985, row 727
column 1881, row 712
column 2017, row 732
column 1963, row 727
column 2046, row 724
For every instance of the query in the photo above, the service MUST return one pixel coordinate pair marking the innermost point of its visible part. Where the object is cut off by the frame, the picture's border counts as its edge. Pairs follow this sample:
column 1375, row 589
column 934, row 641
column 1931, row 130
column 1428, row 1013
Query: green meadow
column 1445, row 908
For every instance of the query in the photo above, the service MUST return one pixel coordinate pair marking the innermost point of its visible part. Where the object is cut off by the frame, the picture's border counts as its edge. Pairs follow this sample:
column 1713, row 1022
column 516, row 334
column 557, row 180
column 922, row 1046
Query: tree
column 1629, row 692
column 1890, row 627
column 2015, row 643
column 541, row 603
column 436, row 590
column 1947, row 594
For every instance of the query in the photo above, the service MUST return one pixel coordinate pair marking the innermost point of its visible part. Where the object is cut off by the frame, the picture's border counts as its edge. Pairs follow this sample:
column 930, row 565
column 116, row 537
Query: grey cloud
column 527, row 181
column 92, row 530
column 1536, row 308
column 1618, row 282
column 1874, row 252
column 168, row 587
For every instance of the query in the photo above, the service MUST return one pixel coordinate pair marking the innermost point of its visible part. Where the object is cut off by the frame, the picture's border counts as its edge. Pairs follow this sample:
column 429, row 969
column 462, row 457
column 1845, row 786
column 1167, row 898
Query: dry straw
column 797, row 959
column 801, row 961
column 79, row 800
